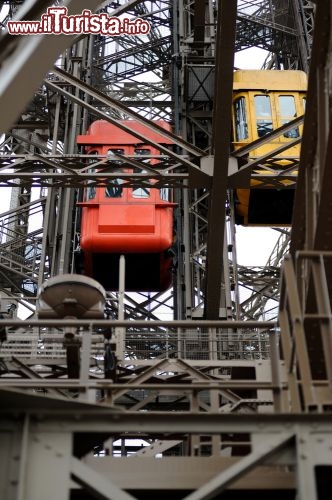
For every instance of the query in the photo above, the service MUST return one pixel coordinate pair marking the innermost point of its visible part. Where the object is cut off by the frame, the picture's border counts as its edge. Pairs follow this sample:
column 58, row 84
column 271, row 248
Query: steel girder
column 149, row 372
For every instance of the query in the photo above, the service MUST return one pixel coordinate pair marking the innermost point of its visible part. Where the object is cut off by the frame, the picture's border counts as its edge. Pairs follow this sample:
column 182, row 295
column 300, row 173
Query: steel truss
column 71, row 400
column 200, row 78
column 293, row 453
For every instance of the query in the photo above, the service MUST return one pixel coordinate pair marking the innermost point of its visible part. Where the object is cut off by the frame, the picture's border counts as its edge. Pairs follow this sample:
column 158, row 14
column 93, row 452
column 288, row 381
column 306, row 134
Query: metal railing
column 142, row 343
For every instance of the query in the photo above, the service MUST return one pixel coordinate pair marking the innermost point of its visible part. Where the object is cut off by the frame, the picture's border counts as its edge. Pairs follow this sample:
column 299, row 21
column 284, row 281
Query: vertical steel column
column 303, row 11
column 298, row 335
column 275, row 371
column 222, row 132
column 120, row 331
column 88, row 394
column 68, row 194
column 293, row 403
column 48, row 466
column 23, row 459
column 324, row 309
column 306, row 483
column 186, row 257
column 50, row 221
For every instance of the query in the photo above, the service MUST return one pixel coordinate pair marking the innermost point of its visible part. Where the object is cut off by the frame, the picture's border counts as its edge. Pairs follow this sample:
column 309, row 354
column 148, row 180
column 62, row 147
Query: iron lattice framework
column 203, row 349
column 178, row 58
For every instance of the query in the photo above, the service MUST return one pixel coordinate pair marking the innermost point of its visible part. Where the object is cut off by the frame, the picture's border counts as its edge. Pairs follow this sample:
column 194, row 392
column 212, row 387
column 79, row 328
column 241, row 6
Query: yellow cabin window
column 241, row 121
column 287, row 110
column 263, row 115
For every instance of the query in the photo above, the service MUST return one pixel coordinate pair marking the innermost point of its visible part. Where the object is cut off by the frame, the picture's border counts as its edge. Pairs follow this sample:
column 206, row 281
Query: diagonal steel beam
column 26, row 59
column 32, row 374
column 232, row 473
column 116, row 105
column 95, row 483
column 119, row 106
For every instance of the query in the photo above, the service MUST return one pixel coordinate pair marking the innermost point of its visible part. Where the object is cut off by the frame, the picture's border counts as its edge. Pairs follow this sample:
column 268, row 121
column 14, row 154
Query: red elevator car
column 134, row 221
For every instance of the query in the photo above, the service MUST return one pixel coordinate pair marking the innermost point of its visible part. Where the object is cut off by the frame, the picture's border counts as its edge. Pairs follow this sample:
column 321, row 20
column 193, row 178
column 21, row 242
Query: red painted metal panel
column 126, row 218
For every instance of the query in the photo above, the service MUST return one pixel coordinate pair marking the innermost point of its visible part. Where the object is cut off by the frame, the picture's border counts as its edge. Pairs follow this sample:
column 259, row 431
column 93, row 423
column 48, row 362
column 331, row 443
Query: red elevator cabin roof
column 103, row 132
